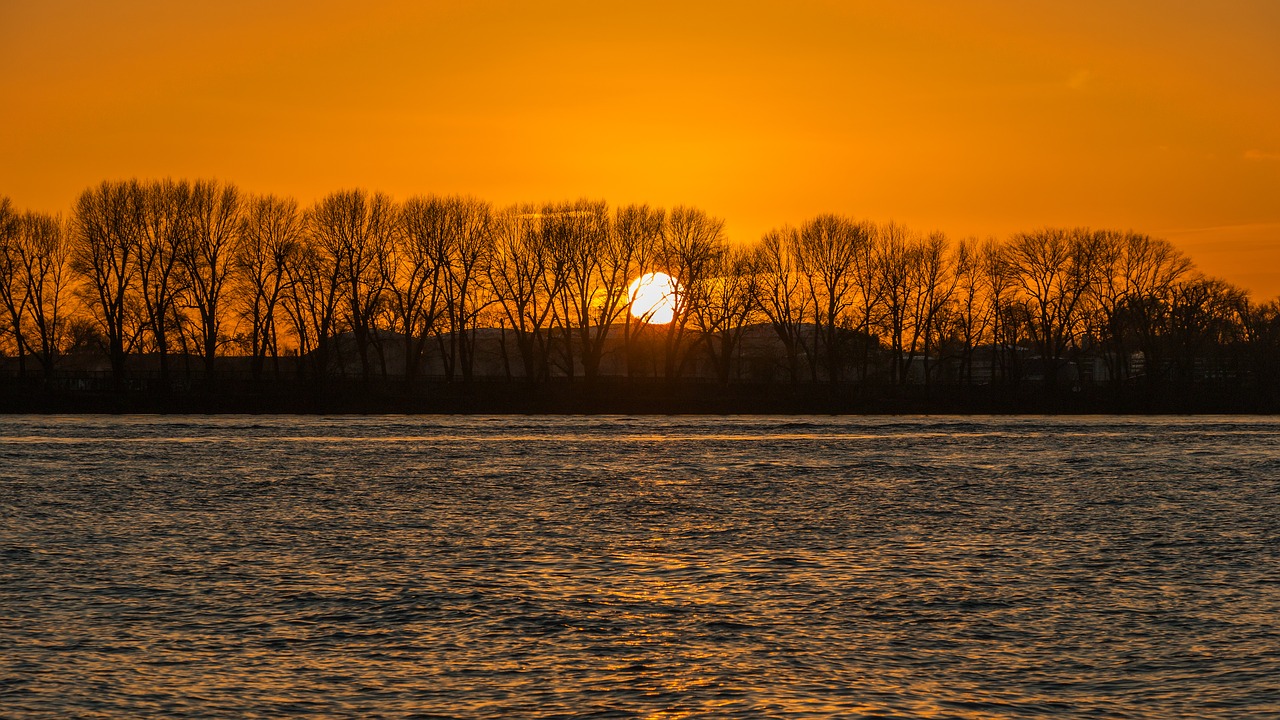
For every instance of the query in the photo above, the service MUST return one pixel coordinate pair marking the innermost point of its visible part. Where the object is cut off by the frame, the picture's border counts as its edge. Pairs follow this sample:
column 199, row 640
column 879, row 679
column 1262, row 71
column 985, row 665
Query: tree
column 108, row 227
column 526, row 281
column 313, row 289
column 357, row 229
column 999, row 283
column 826, row 257
column 597, row 273
column 165, row 229
column 268, row 240
column 687, row 253
column 935, row 279
column 637, row 234
column 726, row 302
column 41, row 260
column 1056, row 269
column 414, row 271
column 468, row 250
column 1205, row 317
column 1136, row 274
column 896, row 278
column 207, row 258
column 870, row 298
column 973, row 312
column 12, row 290
column 781, row 297
column 1261, row 331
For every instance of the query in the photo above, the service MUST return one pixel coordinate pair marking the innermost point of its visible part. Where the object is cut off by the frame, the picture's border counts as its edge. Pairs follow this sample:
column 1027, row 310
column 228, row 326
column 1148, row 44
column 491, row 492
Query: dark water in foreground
column 650, row 567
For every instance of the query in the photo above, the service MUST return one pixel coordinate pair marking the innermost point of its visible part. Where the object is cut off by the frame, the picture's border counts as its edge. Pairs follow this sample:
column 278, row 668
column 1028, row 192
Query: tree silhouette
column 781, row 296
column 936, row 280
column 972, row 316
column 206, row 255
column 193, row 271
column 468, row 251
column 727, row 299
column 268, row 241
column 414, row 271
column 108, row 227
column 999, row 282
column 357, row 230
column 1056, row 269
column 165, row 229
column 637, row 234
column 596, row 282
column 12, row 289
column 827, row 252
column 1135, row 277
column 896, row 277
column 687, row 253
column 526, row 281
column 313, row 289
column 37, row 258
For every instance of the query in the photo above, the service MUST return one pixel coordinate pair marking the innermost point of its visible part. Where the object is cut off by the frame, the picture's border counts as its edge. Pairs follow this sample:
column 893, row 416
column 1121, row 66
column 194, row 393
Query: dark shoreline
column 629, row 397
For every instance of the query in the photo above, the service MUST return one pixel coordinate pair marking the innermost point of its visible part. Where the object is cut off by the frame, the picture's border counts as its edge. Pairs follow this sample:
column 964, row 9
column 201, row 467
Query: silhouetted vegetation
column 181, row 290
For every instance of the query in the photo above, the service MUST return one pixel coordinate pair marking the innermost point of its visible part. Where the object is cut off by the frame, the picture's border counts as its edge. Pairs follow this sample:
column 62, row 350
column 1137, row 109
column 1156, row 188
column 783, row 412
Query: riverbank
column 624, row 396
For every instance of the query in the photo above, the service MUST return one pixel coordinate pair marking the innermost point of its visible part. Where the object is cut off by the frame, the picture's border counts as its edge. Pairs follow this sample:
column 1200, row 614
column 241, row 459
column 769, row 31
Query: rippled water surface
column 639, row 567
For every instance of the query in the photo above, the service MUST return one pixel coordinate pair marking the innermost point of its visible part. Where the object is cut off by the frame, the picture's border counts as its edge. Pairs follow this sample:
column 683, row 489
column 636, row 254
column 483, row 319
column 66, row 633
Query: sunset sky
column 975, row 118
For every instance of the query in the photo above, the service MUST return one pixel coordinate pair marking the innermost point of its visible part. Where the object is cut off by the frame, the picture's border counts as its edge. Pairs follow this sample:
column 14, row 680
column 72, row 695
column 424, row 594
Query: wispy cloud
column 1079, row 79
column 1261, row 155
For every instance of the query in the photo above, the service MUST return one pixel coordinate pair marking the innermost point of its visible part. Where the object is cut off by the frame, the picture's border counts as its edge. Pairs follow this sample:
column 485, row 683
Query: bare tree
column 41, row 258
column 1205, row 317
column 935, row 281
column 469, row 250
column 827, row 255
column 621, row 258
column 870, row 299
column 896, row 276
column 782, row 298
column 415, row 273
column 206, row 254
column 727, row 299
column 597, row 273
column 526, row 280
column 1136, row 274
column 973, row 311
column 1008, row 313
column 1261, row 334
column 559, row 235
column 268, row 239
column 165, row 229
column 357, row 229
column 637, row 235
column 312, row 292
column 687, row 253
column 12, row 290
column 1056, row 270
column 108, row 228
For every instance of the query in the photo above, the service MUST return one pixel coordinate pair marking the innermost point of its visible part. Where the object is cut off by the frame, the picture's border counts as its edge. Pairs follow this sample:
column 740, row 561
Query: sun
column 653, row 298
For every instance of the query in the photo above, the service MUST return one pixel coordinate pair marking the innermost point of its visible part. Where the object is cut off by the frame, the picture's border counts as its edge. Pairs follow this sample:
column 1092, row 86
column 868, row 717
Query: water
column 639, row 567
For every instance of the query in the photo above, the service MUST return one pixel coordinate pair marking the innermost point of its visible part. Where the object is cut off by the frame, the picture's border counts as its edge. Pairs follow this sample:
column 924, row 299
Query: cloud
column 1261, row 156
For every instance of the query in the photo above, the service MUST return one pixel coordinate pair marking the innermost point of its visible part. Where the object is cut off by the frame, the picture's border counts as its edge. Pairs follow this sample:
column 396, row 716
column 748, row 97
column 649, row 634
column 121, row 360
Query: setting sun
column 653, row 298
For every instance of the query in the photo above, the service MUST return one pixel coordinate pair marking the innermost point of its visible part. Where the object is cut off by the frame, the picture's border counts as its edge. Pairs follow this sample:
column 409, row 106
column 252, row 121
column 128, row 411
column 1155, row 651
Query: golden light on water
column 653, row 298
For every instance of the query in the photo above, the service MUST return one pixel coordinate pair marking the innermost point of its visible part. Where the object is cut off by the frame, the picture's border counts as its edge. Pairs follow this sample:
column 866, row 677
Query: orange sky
column 981, row 117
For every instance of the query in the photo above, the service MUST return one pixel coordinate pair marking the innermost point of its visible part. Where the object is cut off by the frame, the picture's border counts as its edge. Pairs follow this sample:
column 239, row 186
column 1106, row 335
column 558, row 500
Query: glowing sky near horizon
column 973, row 118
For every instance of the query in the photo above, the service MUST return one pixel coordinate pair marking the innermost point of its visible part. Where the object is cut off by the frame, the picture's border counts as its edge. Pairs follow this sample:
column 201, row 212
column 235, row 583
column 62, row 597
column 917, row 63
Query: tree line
column 200, row 269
